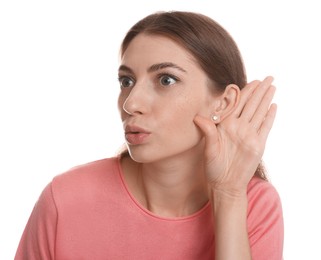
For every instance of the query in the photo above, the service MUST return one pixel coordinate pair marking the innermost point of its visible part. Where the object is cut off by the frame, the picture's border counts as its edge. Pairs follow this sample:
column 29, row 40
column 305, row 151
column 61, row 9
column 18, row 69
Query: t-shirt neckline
column 193, row 216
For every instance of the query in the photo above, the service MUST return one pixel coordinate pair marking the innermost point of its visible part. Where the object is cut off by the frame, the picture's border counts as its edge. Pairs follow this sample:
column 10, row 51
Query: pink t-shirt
column 88, row 213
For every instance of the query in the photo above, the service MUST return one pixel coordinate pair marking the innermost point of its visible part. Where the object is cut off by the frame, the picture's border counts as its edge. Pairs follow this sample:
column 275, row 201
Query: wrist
column 228, row 199
column 229, row 192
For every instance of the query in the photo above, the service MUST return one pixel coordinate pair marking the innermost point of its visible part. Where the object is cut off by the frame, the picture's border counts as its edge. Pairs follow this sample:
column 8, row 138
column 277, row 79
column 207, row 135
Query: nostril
column 133, row 106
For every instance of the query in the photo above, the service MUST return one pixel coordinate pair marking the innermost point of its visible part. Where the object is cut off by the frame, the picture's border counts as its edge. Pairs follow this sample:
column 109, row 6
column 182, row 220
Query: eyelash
column 121, row 78
column 159, row 79
column 163, row 75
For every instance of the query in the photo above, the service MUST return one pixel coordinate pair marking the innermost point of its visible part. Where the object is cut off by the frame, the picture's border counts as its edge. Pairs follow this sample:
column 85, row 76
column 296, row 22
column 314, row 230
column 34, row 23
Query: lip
column 136, row 135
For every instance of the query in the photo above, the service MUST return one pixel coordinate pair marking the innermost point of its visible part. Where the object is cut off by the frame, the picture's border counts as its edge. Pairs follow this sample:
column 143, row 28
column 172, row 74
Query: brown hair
column 209, row 43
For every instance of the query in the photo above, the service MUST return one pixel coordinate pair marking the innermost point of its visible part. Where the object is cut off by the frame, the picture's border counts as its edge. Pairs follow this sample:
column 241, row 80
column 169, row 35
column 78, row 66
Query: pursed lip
column 135, row 135
column 131, row 129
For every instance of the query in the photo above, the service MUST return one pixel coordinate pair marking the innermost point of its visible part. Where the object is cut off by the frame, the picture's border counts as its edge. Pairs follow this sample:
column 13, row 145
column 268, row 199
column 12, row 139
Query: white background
column 58, row 92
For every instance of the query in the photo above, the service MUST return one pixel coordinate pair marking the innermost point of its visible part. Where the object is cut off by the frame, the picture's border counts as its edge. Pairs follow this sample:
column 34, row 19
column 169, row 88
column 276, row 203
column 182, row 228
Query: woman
column 189, row 184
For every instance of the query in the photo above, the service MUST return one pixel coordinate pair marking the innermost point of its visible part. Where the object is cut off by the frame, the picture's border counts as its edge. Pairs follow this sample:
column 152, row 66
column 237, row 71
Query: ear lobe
column 227, row 102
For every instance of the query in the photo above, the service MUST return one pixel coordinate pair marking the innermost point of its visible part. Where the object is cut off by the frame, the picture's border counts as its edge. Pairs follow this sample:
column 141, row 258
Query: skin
column 188, row 159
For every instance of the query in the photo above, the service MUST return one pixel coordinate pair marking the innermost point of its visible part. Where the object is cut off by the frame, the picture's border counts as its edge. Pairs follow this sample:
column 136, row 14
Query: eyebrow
column 154, row 67
column 164, row 65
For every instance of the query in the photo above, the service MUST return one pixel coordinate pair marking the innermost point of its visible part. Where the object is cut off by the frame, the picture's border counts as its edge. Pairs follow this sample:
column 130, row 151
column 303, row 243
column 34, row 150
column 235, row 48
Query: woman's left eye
column 167, row 80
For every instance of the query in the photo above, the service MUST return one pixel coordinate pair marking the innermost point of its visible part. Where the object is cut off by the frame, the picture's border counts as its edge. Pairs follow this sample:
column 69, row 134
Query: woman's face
column 162, row 90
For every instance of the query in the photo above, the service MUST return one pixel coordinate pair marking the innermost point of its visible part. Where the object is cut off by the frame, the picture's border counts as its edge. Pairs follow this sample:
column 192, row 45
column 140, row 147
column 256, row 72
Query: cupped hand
column 235, row 145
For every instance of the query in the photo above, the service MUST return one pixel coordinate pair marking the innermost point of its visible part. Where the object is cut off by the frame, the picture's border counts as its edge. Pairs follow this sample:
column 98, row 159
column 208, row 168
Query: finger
column 246, row 92
column 255, row 99
column 268, row 122
column 207, row 127
column 263, row 108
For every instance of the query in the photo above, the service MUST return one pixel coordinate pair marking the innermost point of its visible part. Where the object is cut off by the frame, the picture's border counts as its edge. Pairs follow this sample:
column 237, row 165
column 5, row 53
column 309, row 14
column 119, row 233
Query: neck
column 174, row 187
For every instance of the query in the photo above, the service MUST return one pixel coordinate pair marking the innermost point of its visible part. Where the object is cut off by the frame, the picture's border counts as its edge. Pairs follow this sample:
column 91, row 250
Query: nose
column 137, row 100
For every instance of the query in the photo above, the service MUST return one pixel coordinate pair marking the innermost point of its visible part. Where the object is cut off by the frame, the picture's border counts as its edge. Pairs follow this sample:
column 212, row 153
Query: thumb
column 208, row 129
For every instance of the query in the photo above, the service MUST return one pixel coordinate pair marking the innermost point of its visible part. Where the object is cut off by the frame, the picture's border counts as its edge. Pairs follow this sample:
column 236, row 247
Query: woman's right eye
column 125, row 82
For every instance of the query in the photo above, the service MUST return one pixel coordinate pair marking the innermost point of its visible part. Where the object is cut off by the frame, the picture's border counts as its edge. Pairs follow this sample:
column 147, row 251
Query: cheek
column 121, row 100
column 120, row 103
column 180, row 122
column 191, row 107
column 182, row 119
column 182, row 134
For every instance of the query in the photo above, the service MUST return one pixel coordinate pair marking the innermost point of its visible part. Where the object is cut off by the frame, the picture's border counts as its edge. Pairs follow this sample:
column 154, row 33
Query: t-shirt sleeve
column 38, row 238
column 265, row 222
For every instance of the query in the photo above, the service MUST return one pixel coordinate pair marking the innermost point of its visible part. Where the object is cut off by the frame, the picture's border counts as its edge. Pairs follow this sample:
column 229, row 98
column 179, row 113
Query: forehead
column 145, row 48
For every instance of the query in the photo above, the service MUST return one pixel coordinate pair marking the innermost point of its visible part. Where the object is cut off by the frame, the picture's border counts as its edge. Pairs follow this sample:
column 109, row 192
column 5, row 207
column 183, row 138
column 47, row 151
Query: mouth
column 135, row 135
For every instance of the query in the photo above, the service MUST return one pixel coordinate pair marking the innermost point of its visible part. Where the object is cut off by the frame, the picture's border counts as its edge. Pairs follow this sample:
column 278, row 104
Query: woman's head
column 165, row 117
column 210, row 44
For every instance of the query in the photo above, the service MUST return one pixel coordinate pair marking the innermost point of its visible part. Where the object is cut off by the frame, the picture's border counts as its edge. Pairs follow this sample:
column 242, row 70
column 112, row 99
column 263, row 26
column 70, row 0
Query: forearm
column 230, row 223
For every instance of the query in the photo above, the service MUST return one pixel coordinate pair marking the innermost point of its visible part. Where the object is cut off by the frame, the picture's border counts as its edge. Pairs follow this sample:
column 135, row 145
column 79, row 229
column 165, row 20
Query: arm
column 231, row 236
column 233, row 149
column 38, row 238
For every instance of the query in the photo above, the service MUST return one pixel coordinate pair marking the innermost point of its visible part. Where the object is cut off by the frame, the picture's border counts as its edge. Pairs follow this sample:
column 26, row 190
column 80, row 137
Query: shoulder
column 263, row 200
column 262, row 192
column 88, row 172
column 265, row 220
column 86, row 180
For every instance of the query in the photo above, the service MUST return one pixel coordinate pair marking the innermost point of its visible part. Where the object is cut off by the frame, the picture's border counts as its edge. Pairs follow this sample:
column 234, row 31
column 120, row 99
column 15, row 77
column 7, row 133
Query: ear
column 225, row 104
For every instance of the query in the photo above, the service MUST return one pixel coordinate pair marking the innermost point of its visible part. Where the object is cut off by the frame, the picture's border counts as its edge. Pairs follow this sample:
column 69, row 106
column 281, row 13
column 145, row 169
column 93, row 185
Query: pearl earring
column 215, row 118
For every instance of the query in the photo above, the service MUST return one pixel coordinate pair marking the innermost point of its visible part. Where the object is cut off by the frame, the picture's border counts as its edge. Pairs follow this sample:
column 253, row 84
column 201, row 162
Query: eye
column 167, row 80
column 125, row 82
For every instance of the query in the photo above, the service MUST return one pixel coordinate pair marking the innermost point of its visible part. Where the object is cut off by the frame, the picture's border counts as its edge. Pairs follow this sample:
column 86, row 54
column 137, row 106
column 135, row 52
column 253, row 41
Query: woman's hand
column 234, row 147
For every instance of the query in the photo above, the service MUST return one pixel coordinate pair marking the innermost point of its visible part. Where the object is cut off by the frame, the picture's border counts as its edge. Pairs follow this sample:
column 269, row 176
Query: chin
column 140, row 155
column 162, row 151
